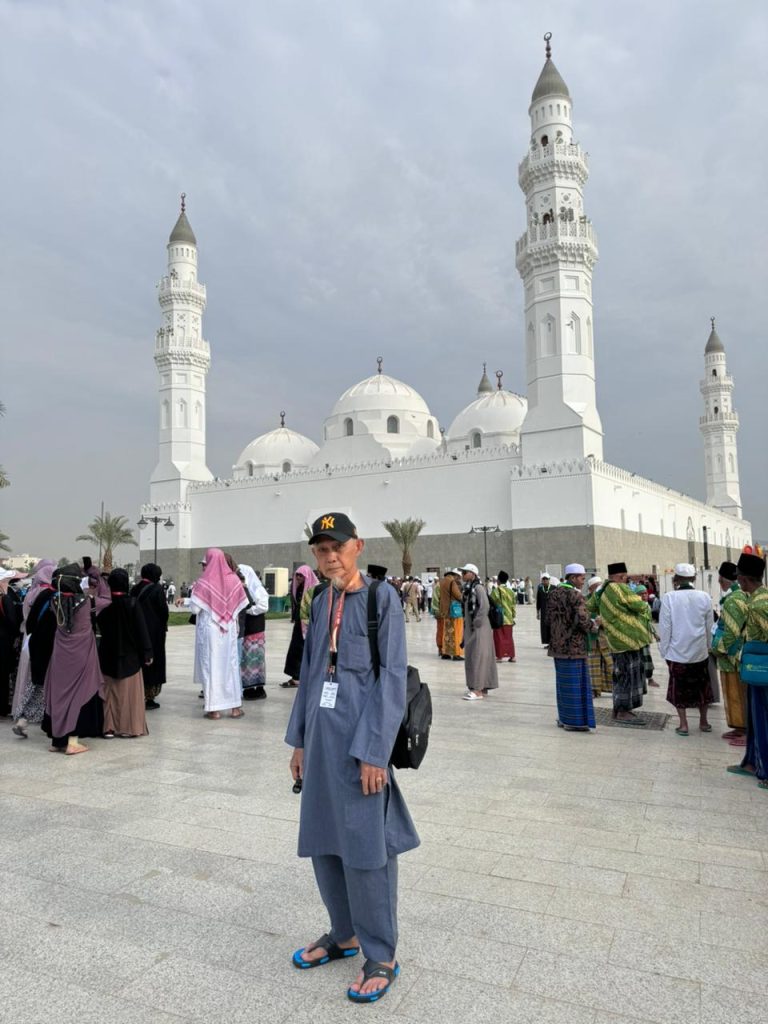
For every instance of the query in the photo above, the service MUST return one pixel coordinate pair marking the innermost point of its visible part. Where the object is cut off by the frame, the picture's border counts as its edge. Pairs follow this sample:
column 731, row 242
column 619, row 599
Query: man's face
column 337, row 560
column 619, row 577
column 747, row 584
column 724, row 583
column 467, row 576
column 577, row 580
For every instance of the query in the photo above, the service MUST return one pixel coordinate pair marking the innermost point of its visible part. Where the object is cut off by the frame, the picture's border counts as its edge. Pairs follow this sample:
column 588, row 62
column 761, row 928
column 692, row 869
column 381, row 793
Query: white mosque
column 534, row 464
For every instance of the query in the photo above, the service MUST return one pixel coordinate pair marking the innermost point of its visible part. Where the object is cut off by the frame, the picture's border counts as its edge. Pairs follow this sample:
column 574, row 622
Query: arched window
column 430, row 429
column 250, row 469
column 183, row 420
column 714, row 373
column 349, row 427
column 728, row 544
column 545, row 140
column 477, row 439
column 165, row 415
column 198, row 415
column 716, row 410
column 731, row 463
column 286, row 467
column 393, row 425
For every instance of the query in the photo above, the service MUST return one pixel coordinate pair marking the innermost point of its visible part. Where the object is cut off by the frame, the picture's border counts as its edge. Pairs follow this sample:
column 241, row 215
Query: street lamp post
column 156, row 520
column 485, row 530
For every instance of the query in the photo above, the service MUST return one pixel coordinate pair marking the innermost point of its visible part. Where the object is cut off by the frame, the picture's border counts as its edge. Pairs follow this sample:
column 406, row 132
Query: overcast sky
column 351, row 173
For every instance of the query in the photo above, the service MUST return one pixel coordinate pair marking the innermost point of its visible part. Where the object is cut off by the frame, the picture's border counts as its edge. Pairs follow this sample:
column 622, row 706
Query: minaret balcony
column 720, row 419
column 579, row 232
column 712, row 384
column 543, row 162
column 171, row 287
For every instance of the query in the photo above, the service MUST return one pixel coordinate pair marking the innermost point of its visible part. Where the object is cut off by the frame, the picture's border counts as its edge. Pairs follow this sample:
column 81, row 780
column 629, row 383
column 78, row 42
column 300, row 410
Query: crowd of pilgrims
column 82, row 652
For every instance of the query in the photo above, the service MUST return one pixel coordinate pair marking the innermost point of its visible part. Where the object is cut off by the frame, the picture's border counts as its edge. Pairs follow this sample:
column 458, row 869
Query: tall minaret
column 182, row 358
column 555, row 258
column 718, row 426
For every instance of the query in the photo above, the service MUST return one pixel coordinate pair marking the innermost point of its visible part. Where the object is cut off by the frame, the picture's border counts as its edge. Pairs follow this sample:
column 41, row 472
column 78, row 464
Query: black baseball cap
column 334, row 525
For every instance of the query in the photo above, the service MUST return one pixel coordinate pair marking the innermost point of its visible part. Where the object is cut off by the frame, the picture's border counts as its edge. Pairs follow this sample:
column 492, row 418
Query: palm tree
column 107, row 532
column 3, row 539
column 404, row 532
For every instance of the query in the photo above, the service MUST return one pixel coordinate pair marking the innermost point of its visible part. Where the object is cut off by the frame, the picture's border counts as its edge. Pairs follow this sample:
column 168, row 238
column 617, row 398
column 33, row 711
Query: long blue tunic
column 336, row 818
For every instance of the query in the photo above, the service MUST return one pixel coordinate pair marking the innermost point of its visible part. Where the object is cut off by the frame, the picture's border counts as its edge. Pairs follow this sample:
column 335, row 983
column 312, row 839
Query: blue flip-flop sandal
column 373, row 969
column 333, row 952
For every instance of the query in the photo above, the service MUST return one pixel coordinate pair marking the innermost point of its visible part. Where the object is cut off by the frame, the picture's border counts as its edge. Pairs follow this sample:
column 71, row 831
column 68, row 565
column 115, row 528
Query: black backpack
column 413, row 735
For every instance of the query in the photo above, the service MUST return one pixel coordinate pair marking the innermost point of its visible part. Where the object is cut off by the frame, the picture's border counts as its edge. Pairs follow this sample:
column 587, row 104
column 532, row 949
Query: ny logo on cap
column 327, row 523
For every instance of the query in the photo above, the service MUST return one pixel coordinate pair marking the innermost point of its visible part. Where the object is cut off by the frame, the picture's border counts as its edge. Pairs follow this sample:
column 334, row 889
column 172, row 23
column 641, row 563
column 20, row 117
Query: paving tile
column 443, row 997
column 567, row 876
column 658, row 918
column 693, row 895
column 720, row 1005
column 743, row 879
column 704, row 853
column 637, row 863
column 535, row 931
column 484, row 889
column 592, row 983
column 693, row 961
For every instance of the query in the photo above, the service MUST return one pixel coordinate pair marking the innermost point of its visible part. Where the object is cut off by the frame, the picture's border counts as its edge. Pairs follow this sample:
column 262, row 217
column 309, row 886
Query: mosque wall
column 451, row 495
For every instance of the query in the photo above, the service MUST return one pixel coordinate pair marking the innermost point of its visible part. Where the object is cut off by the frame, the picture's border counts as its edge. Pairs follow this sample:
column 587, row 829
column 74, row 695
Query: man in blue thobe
column 354, row 821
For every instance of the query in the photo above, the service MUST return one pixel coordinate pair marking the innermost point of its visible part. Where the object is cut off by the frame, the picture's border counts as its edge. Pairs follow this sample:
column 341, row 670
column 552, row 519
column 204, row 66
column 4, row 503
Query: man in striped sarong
column 625, row 617
column 570, row 624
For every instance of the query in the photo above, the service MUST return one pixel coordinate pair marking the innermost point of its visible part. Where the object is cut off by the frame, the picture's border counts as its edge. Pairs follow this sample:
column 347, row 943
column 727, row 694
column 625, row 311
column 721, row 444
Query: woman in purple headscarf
column 73, row 682
column 303, row 579
column 28, row 698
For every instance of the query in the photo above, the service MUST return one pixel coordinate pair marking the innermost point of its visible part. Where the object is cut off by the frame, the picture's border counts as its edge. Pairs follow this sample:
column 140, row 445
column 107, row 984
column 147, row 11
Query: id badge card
column 328, row 696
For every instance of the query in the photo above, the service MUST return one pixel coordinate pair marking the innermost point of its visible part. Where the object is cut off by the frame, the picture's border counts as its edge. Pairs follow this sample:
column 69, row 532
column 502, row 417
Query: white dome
column 380, row 392
column 281, row 450
column 378, row 418
column 495, row 417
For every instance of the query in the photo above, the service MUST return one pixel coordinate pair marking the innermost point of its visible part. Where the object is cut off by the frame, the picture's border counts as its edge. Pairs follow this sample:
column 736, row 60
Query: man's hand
column 373, row 779
column 297, row 764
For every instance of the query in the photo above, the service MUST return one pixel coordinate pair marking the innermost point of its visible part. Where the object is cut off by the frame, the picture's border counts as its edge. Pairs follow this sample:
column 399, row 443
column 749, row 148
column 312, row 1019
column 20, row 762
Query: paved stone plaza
column 563, row 878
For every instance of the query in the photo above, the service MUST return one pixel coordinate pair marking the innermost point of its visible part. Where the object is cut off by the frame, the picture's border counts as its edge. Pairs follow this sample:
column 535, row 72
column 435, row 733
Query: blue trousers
column 361, row 903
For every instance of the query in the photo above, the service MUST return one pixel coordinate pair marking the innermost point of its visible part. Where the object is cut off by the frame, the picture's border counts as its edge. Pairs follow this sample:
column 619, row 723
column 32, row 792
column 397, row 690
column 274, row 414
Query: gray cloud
column 352, row 180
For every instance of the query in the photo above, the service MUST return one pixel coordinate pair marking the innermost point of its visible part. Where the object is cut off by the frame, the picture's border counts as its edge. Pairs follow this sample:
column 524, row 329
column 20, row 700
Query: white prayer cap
column 685, row 569
column 574, row 569
column 594, row 581
column 546, row 576
column 470, row 567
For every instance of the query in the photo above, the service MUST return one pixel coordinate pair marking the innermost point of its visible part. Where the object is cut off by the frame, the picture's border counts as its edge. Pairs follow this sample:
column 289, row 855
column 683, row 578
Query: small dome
column 182, row 231
column 713, row 342
column 380, row 392
column 272, row 451
column 550, row 83
column 496, row 417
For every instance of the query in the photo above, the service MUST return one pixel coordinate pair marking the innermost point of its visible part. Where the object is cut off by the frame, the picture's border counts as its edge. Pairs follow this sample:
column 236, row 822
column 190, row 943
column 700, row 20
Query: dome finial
column 183, row 202
column 548, row 48
column 712, row 321
column 379, row 361
column 499, row 375
column 282, row 417
column 484, row 387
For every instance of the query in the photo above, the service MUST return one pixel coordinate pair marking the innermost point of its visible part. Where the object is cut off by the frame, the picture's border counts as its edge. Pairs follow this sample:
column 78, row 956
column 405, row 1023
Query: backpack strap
column 373, row 627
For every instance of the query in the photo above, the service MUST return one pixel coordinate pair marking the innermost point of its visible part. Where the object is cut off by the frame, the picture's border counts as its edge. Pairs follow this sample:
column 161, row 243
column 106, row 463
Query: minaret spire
column 555, row 258
column 718, row 427
column 182, row 357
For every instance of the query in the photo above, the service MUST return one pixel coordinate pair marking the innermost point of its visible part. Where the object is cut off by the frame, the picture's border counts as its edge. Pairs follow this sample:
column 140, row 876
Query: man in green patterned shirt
column 625, row 618
column 726, row 644
column 751, row 570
